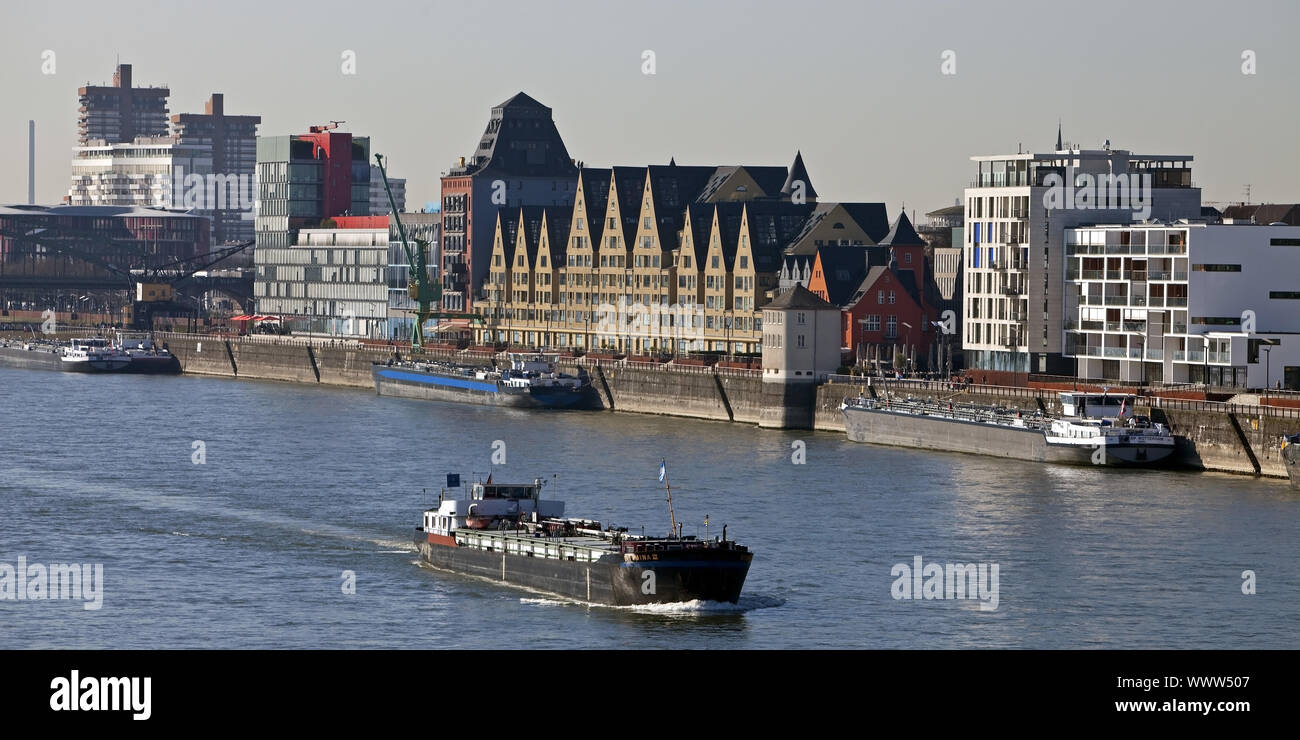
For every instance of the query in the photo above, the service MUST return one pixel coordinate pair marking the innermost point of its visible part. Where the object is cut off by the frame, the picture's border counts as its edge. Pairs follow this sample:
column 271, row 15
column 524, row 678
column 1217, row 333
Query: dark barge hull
column 406, row 382
column 609, row 581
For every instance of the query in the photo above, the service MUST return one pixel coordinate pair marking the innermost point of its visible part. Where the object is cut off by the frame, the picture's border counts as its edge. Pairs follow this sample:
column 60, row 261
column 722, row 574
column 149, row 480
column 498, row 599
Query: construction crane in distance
column 321, row 129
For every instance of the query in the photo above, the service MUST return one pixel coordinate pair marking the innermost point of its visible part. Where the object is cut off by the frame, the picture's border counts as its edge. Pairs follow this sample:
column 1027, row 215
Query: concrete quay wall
column 1217, row 437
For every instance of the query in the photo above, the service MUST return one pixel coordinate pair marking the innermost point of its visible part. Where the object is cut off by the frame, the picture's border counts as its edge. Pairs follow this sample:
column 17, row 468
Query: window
column 891, row 297
column 744, row 263
column 1284, row 242
column 880, row 297
column 1284, row 294
column 715, row 262
column 1216, row 268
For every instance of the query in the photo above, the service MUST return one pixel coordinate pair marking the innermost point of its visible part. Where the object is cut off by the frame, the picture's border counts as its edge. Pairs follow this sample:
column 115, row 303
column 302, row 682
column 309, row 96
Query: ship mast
column 663, row 476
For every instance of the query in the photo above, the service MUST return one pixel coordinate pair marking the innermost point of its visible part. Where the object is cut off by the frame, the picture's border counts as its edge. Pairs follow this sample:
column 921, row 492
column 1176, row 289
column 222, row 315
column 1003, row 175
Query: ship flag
column 663, row 470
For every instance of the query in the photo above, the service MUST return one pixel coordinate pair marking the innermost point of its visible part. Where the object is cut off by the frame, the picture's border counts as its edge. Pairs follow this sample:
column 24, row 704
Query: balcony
column 1220, row 358
column 1155, row 354
column 1011, row 290
column 1176, row 301
column 1116, row 300
column 1114, row 352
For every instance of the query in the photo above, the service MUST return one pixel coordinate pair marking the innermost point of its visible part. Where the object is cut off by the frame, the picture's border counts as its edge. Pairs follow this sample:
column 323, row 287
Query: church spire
column 1059, row 146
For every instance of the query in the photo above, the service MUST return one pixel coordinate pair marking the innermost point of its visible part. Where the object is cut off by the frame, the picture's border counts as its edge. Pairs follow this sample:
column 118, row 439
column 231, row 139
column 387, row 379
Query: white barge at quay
column 1096, row 429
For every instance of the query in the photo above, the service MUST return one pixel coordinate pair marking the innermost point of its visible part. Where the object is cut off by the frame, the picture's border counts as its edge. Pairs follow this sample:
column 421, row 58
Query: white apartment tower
column 1185, row 303
column 1017, row 209
column 149, row 172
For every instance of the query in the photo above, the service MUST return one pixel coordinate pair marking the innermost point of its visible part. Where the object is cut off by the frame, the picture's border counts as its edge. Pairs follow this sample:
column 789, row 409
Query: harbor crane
column 420, row 288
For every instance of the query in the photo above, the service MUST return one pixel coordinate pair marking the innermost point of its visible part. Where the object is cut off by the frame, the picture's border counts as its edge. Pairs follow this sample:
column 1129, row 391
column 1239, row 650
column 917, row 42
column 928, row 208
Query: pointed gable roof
column 798, row 173
column 901, row 234
column 799, row 297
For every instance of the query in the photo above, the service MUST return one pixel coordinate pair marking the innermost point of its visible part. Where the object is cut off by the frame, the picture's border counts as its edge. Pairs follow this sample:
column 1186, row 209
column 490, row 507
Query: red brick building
column 892, row 310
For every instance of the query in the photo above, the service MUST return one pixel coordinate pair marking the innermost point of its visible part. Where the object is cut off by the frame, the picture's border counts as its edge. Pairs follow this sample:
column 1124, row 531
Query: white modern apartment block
column 331, row 282
column 1183, row 302
column 1016, row 211
column 379, row 199
column 149, row 172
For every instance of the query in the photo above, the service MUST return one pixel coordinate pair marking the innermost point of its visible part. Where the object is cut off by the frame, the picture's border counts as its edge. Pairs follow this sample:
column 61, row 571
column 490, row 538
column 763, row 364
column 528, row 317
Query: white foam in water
column 694, row 607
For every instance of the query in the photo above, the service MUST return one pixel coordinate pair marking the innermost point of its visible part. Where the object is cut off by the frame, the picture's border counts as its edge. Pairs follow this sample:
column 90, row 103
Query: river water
column 299, row 484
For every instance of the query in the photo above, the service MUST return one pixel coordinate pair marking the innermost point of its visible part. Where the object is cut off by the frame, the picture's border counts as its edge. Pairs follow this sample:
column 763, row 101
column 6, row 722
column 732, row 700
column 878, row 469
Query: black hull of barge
column 609, row 581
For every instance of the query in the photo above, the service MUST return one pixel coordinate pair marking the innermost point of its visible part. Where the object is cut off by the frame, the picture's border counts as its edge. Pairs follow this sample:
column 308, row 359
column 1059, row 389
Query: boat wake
column 695, row 607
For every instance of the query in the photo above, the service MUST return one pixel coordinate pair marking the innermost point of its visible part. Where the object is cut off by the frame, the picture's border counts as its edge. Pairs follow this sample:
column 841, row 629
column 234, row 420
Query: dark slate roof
column 672, row 188
column 595, row 188
column 520, row 140
column 509, row 220
column 870, row 217
column 771, row 226
column 901, row 234
column 798, row 172
column 843, row 268
column 1266, row 213
column 771, row 180
column 558, row 221
column 907, row 278
column 799, row 297
column 729, row 216
column 701, row 216
column 530, row 218
column 629, row 183
column 869, row 280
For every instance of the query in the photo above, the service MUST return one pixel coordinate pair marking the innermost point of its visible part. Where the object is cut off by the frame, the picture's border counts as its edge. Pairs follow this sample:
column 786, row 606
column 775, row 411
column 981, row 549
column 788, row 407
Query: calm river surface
column 303, row 483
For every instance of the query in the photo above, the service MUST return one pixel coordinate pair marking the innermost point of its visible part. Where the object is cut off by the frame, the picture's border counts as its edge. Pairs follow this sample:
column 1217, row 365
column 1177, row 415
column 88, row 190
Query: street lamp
column 1267, row 367
column 909, row 362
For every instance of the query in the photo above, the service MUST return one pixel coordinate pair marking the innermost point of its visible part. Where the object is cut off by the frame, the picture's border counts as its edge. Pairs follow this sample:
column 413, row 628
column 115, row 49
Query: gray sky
column 855, row 85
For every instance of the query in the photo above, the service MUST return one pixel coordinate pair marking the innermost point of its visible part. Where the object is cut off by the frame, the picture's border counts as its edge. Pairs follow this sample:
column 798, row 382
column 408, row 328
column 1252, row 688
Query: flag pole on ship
column 663, row 478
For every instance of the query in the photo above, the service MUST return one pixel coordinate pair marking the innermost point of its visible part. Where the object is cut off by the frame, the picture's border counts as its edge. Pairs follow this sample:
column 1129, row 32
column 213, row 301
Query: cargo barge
column 531, row 381
column 507, row 533
column 30, row 355
column 1093, row 430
